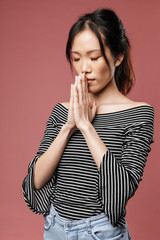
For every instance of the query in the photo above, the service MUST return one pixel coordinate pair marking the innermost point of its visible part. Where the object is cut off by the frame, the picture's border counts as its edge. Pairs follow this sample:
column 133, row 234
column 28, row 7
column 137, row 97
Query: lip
column 90, row 80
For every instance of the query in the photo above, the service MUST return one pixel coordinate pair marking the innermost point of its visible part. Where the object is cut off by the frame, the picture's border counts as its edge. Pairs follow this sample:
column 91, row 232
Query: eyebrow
column 90, row 51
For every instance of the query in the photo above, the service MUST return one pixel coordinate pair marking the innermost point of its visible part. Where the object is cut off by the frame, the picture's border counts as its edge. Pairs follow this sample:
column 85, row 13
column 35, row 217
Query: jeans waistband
column 89, row 222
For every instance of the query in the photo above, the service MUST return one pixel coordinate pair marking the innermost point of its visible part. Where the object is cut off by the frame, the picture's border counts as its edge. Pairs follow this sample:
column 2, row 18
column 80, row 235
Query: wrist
column 69, row 128
column 87, row 126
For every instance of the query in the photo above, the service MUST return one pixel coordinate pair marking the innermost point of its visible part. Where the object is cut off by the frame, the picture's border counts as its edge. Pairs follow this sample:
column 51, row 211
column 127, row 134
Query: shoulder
column 137, row 104
column 58, row 111
column 126, row 102
column 130, row 104
column 141, row 113
column 143, row 108
column 65, row 104
column 59, row 108
column 123, row 104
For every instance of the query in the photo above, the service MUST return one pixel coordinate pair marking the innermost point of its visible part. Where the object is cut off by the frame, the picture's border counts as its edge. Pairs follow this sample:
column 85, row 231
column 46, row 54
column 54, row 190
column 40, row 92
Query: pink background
column 35, row 75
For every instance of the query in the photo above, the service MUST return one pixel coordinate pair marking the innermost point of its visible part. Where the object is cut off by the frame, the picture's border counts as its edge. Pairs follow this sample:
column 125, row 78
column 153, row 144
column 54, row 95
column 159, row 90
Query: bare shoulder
column 137, row 104
column 127, row 102
column 65, row 104
column 115, row 107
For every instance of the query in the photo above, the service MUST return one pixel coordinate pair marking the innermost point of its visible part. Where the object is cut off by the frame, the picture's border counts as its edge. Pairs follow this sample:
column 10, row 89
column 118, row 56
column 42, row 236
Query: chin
column 93, row 90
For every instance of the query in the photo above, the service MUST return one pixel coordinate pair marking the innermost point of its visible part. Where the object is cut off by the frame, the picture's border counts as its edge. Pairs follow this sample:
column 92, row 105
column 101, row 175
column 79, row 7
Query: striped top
column 77, row 188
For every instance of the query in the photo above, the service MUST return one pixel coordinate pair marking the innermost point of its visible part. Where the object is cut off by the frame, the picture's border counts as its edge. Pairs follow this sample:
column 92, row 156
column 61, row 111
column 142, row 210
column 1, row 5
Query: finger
column 80, row 91
column 86, row 83
column 75, row 79
column 72, row 94
column 71, row 99
column 85, row 89
column 75, row 94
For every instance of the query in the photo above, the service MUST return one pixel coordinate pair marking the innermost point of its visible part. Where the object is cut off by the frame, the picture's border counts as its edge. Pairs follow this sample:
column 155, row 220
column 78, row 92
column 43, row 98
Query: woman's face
column 87, row 58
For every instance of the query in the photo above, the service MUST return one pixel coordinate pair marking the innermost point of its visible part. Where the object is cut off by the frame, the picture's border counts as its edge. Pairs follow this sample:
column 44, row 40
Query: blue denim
column 93, row 228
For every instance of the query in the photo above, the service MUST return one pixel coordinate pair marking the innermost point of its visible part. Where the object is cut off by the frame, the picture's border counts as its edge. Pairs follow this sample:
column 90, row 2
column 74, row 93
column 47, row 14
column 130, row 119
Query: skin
column 100, row 96
column 86, row 100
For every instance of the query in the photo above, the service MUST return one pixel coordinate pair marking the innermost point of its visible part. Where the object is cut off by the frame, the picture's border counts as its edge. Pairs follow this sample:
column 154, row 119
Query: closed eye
column 94, row 59
column 75, row 59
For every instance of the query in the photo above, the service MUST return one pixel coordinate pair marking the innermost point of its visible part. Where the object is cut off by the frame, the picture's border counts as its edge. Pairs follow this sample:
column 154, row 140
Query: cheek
column 102, row 68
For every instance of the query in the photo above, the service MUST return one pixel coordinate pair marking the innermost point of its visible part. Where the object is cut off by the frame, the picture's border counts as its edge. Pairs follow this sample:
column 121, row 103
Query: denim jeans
column 93, row 228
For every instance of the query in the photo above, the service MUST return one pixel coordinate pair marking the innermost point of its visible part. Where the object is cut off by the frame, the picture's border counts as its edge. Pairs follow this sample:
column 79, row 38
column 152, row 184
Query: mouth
column 90, row 80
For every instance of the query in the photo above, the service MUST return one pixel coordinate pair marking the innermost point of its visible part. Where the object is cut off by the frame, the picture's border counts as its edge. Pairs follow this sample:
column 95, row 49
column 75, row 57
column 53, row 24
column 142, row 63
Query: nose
column 86, row 68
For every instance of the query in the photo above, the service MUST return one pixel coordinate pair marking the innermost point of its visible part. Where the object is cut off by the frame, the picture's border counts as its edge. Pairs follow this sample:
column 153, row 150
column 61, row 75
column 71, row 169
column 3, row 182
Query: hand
column 84, row 111
column 70, row 120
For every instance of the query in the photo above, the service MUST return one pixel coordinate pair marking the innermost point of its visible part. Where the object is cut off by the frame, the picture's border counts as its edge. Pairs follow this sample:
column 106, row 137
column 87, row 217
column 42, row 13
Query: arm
column 47, row 163
column 118, row 181
column 94, row 142
column 38, row 199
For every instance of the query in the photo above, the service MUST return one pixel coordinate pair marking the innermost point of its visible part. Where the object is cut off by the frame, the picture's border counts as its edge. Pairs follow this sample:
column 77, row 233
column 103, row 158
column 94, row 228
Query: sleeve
column 39, row 200
column 118, row 180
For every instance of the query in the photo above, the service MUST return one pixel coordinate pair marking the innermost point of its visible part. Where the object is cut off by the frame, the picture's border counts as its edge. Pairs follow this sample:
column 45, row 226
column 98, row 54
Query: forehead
column 85, row 40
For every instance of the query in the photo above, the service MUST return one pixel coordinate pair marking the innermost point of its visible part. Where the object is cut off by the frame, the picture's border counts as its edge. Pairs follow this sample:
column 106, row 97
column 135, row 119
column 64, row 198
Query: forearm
column 94, row 142
column 47, row 163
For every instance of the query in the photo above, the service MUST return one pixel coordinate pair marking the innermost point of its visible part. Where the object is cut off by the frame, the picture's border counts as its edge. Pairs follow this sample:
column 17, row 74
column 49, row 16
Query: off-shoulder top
column 78, row 189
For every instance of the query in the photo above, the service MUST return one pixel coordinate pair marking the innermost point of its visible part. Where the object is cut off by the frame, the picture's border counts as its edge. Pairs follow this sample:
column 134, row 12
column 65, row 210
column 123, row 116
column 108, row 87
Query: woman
column 94, row 150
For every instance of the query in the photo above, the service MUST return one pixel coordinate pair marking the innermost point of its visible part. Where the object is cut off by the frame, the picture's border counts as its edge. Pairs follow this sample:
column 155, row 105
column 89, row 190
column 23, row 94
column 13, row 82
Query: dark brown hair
column 107, row 23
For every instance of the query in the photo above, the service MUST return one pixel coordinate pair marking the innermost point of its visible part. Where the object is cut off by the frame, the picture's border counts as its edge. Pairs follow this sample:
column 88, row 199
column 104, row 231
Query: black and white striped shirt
column 78, row 189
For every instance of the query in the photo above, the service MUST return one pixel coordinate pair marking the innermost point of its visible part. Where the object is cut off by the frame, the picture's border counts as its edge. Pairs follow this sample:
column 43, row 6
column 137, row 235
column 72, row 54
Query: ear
column 119, row 59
